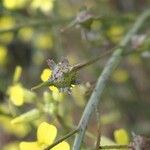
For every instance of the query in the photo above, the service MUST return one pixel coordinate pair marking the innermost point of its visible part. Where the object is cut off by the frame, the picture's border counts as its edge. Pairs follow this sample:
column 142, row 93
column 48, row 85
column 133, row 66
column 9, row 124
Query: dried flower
column 61, row 77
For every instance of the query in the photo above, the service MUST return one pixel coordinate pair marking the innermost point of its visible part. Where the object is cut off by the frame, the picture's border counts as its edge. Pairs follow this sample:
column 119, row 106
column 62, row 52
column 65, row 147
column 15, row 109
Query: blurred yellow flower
column 14, row 4
column 54, row 89
column 19, row 130
column 3, row 55
column 44, row 41
column 115, row 33
column 16, row 94
column 57, row 96
column 46, row 134
column 17, row 73
column 43, row 5
column 120, row 76
column 121, row 136
column 46, row 74
column 6, row 22
column 25, row 33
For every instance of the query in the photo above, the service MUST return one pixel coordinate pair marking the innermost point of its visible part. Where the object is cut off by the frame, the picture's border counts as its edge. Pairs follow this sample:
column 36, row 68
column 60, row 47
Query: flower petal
column 62, row 146
column 121, row 136
column 17, row 73
column 54, row 89
column 46, row 74
column 57, row 96
column 29, row 146
column 16, row 94
column 46, row 133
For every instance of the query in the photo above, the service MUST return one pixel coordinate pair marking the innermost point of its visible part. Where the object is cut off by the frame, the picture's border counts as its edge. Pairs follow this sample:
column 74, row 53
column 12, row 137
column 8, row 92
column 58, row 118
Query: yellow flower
column 115, row 33
column 120, row 76
column 43, row 5
column 14, row 4
column 6, row 22
column 121, row 136
column 20, row 130
column 16, row 91
column 62, row 146
column 29, row 146
column 46, row 134
column 16, row 94
column 25, row 33
column 44, row 41
column 46, row 74
column 57, row 96
column 17, row 73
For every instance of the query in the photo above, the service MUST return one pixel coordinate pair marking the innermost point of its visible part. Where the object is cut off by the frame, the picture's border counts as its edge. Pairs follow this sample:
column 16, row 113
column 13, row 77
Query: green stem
column 62, row 139
column 103, row 78
column 43, row 84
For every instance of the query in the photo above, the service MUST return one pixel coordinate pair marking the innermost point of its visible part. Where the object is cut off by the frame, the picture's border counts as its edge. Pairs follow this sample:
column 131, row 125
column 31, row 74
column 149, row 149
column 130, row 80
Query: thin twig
column 103, row 78
column 85, row 64
column 62, row 139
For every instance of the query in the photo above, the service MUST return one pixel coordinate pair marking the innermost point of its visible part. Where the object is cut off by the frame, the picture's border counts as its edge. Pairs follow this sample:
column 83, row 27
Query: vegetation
column 74, row 74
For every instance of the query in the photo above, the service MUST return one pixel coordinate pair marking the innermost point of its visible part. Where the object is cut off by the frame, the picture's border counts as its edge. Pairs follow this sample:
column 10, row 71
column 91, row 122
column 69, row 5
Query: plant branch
column 103, row 78
column 62, row 139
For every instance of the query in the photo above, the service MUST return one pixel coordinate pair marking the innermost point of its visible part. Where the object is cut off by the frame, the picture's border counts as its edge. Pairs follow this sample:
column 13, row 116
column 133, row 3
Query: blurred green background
column 31, row 31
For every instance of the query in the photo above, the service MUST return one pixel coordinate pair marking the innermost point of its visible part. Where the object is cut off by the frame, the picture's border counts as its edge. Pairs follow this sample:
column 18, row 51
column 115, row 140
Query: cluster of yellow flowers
column 43, row 5
column 18, row 95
